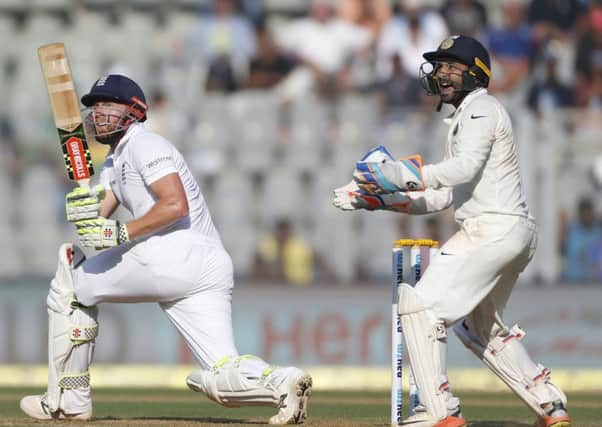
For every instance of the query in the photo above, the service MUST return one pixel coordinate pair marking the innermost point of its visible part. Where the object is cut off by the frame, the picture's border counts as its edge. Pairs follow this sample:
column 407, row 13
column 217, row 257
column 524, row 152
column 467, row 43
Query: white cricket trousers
column 189, row 275
column 474, row 272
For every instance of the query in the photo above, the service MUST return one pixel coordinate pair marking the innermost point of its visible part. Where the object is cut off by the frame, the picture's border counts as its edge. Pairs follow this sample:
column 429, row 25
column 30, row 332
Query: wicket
column 404, row 250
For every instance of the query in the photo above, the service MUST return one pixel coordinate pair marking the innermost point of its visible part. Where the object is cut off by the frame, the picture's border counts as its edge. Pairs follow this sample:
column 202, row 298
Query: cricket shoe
column 37, row 407
column 420, row 418
column 452, row 421
column 557, row 416
column 295, row 389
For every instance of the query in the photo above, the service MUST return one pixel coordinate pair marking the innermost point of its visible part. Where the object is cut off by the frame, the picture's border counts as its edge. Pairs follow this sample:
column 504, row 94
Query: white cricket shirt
column 141, row 158
column 481, row 163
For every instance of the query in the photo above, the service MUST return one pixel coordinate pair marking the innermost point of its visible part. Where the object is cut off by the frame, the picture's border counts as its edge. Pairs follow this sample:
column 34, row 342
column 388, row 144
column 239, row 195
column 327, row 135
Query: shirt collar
column 467, row 100
column 133, row 129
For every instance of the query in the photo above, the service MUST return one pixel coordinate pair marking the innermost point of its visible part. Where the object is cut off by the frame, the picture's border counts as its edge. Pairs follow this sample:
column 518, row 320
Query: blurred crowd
column 545, row 53
column 546, row 57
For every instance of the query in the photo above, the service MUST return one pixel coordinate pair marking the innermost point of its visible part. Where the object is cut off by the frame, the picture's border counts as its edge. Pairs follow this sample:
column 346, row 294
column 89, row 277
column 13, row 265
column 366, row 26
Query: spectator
column 255, row 10
column 269, row 66
column 466, row 17
column 398, row 93
column 510, row 49
column 160, row 120
column 595, row 172
column 557, row 19
column 416, row 30
column 548, row 93
column 13, row 165
column 325, row 45
column 588, row 56
column 593, row 111
column 285, row 257
column 581, row 240
column 369, row 14
column 224, row 40
column 598, row 261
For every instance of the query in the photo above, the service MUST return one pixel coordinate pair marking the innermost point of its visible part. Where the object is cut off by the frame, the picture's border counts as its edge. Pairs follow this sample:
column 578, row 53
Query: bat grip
column 84, row 183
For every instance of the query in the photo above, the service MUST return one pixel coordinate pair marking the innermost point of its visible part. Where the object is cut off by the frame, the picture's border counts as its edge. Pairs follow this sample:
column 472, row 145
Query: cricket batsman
column 169, row 253
column 468, row 283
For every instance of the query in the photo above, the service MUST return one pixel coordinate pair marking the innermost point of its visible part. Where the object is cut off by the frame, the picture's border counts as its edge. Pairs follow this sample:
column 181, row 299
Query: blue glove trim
column 380, row 148
column 382, row 182
column 366, row 173
column 413, row 165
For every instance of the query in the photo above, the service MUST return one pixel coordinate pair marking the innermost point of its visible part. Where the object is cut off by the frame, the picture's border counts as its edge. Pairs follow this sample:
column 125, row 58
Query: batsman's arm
column 171, row 205
column 109, row 204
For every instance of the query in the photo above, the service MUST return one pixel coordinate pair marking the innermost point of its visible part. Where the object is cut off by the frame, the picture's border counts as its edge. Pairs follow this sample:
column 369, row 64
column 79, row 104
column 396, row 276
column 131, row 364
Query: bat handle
column 84, row 183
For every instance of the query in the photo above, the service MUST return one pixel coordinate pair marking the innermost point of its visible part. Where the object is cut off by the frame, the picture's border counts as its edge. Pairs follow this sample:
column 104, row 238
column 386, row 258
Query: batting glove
column 101, row 233
column 386, row 176
column 84, row 203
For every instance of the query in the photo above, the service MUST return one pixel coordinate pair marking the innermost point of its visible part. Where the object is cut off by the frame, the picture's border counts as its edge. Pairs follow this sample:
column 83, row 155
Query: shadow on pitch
column 208, row 420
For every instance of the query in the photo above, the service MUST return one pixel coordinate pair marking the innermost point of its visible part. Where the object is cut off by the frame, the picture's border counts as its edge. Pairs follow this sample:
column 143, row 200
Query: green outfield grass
column 151, row 407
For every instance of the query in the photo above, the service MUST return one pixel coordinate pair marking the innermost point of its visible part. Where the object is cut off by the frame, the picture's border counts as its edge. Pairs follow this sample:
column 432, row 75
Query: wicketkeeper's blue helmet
column 118, row 88
column 466, row 50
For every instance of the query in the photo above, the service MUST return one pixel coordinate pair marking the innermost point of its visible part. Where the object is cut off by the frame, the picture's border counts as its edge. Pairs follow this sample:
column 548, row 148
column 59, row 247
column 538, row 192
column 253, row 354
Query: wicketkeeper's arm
column 378, row 179
column 429, row 200
column 350, row 197
column 474, row 143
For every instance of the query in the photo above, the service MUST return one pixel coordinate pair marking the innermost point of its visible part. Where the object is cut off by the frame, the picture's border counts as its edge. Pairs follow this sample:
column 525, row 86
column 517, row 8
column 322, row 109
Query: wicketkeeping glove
column 387, row 176
column 350, row 197
column 84, row 203
column 101, row 233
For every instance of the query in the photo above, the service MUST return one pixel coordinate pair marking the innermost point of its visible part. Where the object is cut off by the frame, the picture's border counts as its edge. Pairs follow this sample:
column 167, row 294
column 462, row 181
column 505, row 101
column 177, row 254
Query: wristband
column 123, row 235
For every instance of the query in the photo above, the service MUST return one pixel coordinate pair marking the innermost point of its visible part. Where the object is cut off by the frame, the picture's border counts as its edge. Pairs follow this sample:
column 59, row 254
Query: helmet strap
column 473, row 78
column 110, row 139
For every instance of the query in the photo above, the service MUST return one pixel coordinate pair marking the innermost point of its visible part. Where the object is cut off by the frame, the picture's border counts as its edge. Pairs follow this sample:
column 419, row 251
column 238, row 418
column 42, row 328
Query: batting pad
column 506, row 356
column 425, row 337
column 228, row 387
column 72, row 330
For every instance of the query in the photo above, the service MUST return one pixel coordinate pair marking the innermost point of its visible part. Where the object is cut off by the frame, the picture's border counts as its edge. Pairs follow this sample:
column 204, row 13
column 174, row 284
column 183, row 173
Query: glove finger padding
column 84, row 203
column 344, row 197
column 350, row 197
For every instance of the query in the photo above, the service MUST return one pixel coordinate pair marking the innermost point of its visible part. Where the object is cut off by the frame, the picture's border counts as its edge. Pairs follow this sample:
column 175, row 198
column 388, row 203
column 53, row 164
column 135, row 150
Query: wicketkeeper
column 169, row 253
column 467, row 285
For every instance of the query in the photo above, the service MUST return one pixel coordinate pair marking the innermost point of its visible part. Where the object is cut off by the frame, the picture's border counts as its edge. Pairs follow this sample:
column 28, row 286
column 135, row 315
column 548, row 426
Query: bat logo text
column 78, row 161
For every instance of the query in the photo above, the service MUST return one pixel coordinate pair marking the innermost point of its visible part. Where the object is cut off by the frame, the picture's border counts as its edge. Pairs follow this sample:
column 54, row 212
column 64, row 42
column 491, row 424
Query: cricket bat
column 64, row 103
